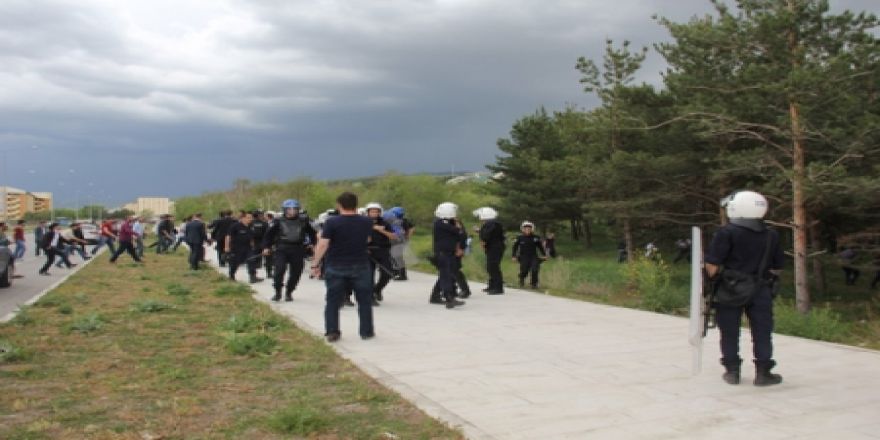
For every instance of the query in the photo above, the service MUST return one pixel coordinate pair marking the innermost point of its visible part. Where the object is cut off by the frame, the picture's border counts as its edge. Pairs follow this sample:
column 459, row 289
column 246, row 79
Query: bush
column 150, row 306
column 65, row 309
column 558, row 275
column 251, row 344
column 10, row 353
column 822, row 324
column 652, row 279
column 23, row 317
column 87, row 324
column 232, row 289
column 299, row 420
column 241, row 323
column 176, row 289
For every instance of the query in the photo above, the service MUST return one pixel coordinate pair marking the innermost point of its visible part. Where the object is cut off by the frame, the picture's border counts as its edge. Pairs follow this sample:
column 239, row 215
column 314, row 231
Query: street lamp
column 5, row 180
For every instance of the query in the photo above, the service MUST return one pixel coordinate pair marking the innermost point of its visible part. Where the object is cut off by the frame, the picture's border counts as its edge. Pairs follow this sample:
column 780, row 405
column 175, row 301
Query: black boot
column 277, row 296
column 451, row 302
column 288, row 295
column 732, row 372
column 378, row 295
column 763, row 376
column 255, row 279
column 437, row 299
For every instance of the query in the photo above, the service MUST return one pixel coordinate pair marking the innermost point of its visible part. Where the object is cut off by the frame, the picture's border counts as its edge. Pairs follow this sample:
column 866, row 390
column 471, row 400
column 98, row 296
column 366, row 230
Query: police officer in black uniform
column 239, row 248
column 289, row 234
column 259, row 227
column 492, row 239
column 380, row 250
column 447, row 247
column 740, row 246
column 219, row 228
column 525, row 250
column 461, row 284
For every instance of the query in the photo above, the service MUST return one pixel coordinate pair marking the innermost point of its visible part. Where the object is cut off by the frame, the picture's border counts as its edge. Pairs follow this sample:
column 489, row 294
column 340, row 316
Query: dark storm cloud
column 176, row 97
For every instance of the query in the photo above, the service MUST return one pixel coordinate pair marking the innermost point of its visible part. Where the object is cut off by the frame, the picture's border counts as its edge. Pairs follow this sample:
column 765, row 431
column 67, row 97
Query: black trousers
column 493, row 267
column 125, row 246
column 50, row 258
column 196, row 254
column 760, row 313
column 292, row 256
column 446, row 277
column 529, row 265
column 851, row 274
column 381, row 258
column 239, row 257
column 459, row 278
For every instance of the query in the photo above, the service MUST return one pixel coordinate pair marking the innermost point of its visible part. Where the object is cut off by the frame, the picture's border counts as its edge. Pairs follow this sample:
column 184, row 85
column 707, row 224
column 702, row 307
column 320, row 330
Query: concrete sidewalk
column 530, row 366
column 30, row 288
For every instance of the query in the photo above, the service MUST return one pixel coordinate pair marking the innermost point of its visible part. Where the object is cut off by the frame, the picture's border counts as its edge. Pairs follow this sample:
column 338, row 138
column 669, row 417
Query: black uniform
column 492, row 235
column 447, row 237
column 289, row 236
column 259, row 229
column 741, row 248
column 165, row 230
column 241, row 249
column 219, row 228
column 195, row 235
column 461, row 283
column 526, row 249
column 380, row 257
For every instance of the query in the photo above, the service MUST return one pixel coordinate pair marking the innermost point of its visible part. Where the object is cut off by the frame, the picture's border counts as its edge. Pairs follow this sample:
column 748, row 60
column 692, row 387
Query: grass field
column 159, row 352
column 845, row 314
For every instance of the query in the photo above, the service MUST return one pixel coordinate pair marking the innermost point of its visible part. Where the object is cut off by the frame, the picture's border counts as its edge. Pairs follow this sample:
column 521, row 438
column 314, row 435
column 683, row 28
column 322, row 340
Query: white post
column 695, row 336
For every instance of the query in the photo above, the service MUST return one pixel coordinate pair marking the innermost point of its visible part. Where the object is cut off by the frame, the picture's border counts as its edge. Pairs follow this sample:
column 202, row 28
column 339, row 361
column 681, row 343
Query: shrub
column 150, row 306
column 299, row 420
column 10, row 353
column 23, row 317
column 176, row 289
column 557, row 275
column 822, row 324
column 652, row 279
column 251, row 344
column 65, row 309
column 87, row 324
column 232, row 289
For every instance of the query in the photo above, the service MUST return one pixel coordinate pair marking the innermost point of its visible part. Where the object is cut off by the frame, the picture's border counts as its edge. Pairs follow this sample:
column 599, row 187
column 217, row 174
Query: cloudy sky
column 105, row 100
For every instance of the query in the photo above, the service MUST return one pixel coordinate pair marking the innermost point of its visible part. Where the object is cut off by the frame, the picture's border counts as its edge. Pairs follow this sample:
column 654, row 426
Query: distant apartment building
column 16, row 202
column 151, row 205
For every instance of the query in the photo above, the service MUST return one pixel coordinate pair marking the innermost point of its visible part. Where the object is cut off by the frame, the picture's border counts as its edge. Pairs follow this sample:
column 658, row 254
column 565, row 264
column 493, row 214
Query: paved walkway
column 29, row 289
column 530, row 366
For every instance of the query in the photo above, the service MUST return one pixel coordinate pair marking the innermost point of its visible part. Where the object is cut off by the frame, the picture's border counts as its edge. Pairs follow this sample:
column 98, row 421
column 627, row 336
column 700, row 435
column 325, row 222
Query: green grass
column 220, row 366
column 845, row 314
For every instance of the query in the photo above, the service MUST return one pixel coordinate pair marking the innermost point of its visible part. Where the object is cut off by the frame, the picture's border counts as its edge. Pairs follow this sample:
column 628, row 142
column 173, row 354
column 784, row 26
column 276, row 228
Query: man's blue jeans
column 341, row 280
column 19, row 249
column 104, row 240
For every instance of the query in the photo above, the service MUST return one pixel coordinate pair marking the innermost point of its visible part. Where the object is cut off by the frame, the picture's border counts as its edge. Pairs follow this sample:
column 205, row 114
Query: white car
column 91, row 232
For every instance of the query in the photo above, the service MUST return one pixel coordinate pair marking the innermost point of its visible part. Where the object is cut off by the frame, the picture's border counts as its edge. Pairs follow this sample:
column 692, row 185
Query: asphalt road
column 32, row 285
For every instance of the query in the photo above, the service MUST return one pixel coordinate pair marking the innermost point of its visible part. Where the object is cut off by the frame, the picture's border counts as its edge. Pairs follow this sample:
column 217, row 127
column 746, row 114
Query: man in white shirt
column 138, row 228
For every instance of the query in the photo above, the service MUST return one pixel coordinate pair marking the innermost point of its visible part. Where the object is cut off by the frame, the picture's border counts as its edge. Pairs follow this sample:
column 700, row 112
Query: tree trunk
column 818, row 268
column 628, row 239
column 588, row 233
column 799, row 166
column 574, row 230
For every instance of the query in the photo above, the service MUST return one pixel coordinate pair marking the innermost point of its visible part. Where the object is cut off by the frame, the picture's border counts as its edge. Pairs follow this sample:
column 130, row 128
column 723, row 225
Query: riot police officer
column 525, row 250
column 492, row 239
column 289, row 234
column 741, row 247
column 259, row 227
column 380, row 250
column 447, row 247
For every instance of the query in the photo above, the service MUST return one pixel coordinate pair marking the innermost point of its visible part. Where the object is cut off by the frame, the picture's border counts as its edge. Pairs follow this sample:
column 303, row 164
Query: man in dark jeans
column 342, row 255
column 51, row 243
column 195, row 235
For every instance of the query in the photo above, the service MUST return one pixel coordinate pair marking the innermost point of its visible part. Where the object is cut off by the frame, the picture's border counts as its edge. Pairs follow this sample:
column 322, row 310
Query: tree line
column 779, row 96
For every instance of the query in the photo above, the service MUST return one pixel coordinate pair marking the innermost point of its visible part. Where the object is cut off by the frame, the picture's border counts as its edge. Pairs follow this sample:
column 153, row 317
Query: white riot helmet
column 373, row 205
column 486, row 213
column 446, row 210
column 527, row 224
column 362, row 211
column 745, row 205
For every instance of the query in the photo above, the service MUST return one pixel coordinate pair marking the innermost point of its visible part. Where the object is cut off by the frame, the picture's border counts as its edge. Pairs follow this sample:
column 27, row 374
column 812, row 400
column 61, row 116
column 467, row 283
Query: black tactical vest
column 291, row 230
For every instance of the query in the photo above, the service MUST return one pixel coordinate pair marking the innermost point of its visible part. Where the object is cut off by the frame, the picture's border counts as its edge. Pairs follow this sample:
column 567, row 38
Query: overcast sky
column 105, row 100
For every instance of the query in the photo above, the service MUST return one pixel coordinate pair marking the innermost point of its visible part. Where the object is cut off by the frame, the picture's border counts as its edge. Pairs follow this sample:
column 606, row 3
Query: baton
column 382, row 268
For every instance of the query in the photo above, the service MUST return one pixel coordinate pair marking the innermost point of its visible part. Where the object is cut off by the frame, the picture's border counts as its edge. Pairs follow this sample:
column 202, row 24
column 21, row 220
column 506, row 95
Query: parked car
column 5, row 267
column 90, row 232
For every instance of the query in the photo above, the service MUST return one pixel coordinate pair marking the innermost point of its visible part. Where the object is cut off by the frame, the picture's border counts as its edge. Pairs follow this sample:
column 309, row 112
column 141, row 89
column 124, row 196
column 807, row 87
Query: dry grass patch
column 131, row 352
